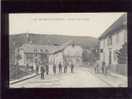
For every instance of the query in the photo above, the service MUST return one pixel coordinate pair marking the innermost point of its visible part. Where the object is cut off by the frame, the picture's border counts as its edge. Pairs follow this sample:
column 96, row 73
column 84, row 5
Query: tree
column 18, row 57
column 122, row 54
column 85, row 55
column 90, row 55
column 95, row 53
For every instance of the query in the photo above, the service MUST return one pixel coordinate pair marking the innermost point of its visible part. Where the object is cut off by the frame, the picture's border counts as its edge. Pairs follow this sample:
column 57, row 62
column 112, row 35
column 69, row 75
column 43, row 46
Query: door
column 109, row 57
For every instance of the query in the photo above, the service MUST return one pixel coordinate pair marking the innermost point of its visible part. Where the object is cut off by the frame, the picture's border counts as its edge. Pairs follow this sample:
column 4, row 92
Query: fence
column 119, row 68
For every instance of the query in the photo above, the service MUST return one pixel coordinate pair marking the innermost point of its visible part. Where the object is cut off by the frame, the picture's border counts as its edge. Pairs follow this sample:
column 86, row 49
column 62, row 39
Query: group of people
column 101, row 67
column 43, row 67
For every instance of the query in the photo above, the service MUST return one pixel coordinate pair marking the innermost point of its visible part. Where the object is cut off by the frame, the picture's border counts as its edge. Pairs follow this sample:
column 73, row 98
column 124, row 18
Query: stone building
column 111, row 41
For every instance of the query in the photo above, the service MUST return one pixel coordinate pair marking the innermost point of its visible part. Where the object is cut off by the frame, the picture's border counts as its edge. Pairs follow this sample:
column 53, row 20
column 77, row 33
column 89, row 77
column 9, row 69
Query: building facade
column 112, row 40
column 31, row 54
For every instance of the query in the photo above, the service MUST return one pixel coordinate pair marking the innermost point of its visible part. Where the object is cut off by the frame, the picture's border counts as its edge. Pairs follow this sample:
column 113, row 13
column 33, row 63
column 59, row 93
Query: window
column 109, row 40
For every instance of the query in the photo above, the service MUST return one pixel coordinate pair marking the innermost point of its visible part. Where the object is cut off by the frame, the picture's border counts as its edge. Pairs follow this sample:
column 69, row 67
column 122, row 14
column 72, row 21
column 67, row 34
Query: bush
column 90, row 56
column 122, row 55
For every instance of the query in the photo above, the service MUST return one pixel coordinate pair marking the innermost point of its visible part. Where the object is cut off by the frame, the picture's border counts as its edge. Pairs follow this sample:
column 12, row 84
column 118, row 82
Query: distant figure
column 103, row 67
column 44, row 60
column 27, row 67
column 54, row 69
column 47, row 69
column 97, row 67
column 37, row 66
column 42, row 72
column 60, row 68
column 37, row 69
column 107, row 69
column 32, row 69
column 72, row 68
column 65, row 68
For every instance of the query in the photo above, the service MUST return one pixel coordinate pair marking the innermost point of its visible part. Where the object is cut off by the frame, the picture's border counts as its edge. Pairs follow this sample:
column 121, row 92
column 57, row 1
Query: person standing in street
column 72, row 68
column 60, row 67
column 37, row 69
column 103, row 67
column 47, row 69
column 37, row 66
column 54, row 69
column 65, row 68
column 44, row 60
column 27, row 67
column 42, row 72
column 42, row 64
column 96, row 68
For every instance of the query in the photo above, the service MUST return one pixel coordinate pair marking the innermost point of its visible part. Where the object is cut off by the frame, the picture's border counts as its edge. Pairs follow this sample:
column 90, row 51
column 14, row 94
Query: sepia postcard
column 68, row 50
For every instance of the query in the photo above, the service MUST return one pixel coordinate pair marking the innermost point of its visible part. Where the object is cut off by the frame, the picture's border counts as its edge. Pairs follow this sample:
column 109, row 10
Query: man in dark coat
column 72, row 68
column 96, row 68
column 42, row 72
column 60, row 67
column 37, row 69
column 37, row 66
column 103, row 67
column 54, row 69
column 47, row 69
column 65, row 68
column 44, row 59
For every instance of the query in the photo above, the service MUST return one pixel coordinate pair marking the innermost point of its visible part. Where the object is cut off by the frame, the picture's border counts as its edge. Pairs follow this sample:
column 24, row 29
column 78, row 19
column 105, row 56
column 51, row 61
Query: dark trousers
column 103, row 69
column 54, row 69
column 96, row 69
column 60, row 69
column 72, row 69
column 65, row 69
column 47, row 70
column 42, row 75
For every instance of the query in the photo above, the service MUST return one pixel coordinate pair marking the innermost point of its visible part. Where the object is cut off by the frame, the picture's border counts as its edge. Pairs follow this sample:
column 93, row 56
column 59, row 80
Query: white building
column 73, row 54
column 30, row 52
column 112, row 40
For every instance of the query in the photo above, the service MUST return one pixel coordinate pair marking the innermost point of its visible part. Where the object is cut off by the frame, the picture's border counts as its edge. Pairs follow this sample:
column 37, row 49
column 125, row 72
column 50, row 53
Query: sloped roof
column 30, row 48
column 117, row 25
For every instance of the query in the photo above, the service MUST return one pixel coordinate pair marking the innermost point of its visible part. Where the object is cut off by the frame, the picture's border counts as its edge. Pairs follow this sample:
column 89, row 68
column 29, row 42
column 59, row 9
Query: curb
column 20, row 80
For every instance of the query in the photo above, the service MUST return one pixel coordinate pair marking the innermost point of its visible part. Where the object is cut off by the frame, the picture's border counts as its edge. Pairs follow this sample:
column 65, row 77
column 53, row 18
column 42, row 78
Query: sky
column 72, row 24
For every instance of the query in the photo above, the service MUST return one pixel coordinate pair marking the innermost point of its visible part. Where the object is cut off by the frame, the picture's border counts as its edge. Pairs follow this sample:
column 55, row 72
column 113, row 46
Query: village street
column 82, row 77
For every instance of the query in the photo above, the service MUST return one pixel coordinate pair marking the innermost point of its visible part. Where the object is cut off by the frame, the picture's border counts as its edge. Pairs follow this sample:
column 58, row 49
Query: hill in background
column 44, row 39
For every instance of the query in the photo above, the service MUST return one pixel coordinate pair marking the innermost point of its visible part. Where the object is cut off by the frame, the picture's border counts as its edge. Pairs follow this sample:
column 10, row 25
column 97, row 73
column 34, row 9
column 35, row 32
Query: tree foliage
column 90, row 55
column 122, row 55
